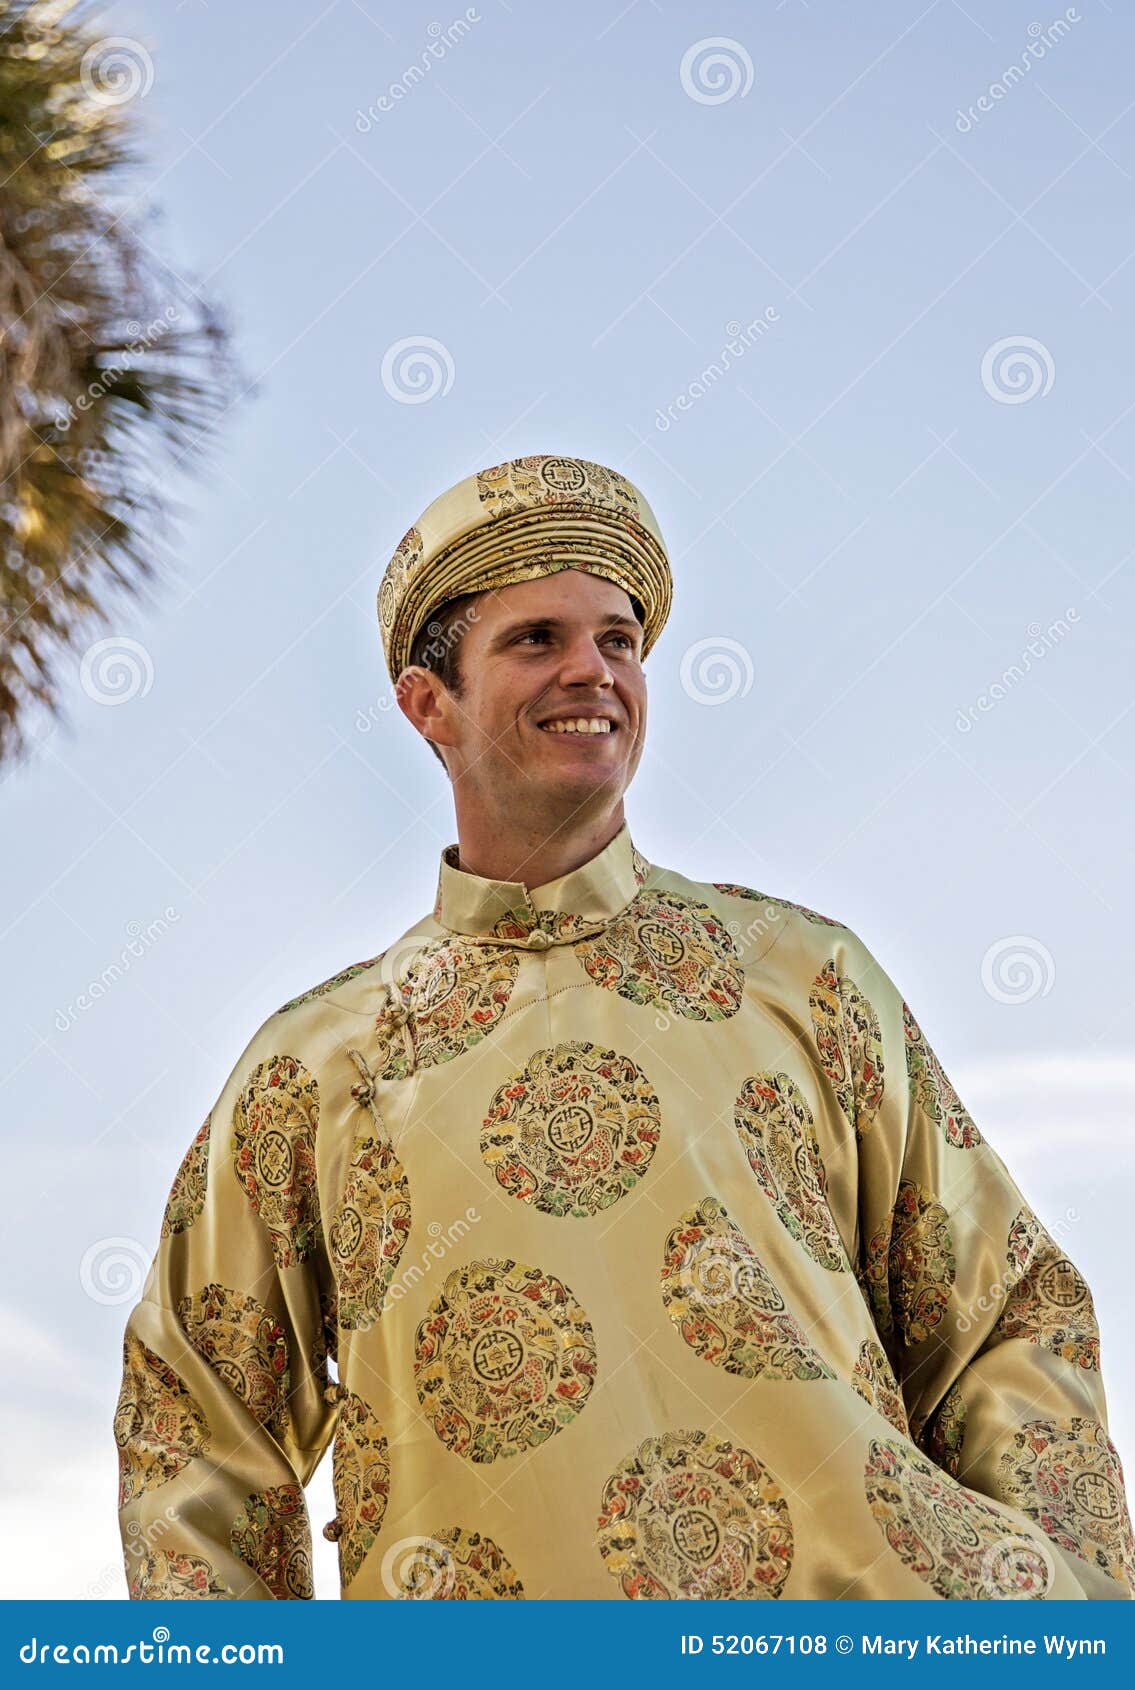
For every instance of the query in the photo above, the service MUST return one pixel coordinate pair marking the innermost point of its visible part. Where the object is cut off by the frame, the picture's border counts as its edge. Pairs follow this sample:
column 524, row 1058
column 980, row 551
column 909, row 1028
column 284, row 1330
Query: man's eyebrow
column 615, row 620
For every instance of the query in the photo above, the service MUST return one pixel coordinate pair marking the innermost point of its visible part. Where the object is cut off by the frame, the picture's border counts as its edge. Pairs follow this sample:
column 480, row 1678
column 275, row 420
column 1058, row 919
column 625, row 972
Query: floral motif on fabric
column 688, row 1515
column 368, row 1230
column 943, row 1434
column 730, row 890
column 158, row 1426
column 271, row 1535
column 360, row 1473
column 187, row 1194
column 447, row 998
column 504, row 1359
column 873, row 1378
column 716, row 1291
column 774, row 1124
column 932, row 1090
column 325, row 1340
column 953, row 1540
column 1048, row 1302
column 910, row 1266
column 332, row 984
column 450, row 1565
column 404, row 563
column 1067, row 1476
column 274, row 1126
column 670, row 953
column 165, row 1575
column 510, row 488
column 244, row 1345
column 573, row 1130
column 850, row 1045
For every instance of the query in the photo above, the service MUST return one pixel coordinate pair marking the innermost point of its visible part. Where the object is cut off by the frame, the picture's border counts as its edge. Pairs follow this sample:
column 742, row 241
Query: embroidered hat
column 529, row 517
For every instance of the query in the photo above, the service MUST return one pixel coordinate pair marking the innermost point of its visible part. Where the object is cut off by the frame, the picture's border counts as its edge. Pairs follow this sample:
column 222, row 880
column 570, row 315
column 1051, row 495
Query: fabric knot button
column 333, row 1530
column 538, row 940
column 395, row 1013
column 332, row 1392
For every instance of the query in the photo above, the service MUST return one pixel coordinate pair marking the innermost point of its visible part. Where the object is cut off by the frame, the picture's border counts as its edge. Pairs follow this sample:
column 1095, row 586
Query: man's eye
column 535, row 634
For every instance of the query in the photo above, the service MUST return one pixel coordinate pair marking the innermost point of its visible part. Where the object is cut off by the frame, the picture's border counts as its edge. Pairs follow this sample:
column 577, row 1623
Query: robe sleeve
column 225, row 1407
column 988, row 1324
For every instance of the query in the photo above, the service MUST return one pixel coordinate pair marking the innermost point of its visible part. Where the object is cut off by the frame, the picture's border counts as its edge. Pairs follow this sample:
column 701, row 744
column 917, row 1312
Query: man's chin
column 578, row 784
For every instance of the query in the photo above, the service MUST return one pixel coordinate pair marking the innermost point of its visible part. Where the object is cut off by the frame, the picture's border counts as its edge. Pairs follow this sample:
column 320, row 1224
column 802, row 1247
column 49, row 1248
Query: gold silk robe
column 657, row 1257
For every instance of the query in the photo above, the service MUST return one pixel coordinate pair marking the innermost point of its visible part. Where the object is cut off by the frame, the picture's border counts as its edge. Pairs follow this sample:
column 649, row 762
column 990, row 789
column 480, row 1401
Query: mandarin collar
column 559, row 912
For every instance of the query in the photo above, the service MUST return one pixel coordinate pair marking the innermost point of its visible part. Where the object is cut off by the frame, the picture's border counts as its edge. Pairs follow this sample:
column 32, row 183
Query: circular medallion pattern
column 717, row 1292
column 451, row 1565
column 270, row 1535
column 944, row 1433
column 158, row 1426
column 274, row 1127
column 669, row 953
column 448, row 996
column 933, row 1091
column 1066, row 1475
column 910, row 1266
column 689, row 1515
column 165, row 1575
column 774, row 1124
column 244, row 1345
column 368, row 1231
column 573, row 1130
column 360, row 1476
column 850, row 1045
column 187, row 1194
column 874, row 1379
column 955, row 1542
column 1048, row 1302
column 504, row 1359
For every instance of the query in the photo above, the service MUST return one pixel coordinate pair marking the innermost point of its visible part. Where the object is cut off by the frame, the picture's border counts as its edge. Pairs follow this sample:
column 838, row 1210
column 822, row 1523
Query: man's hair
column 437, row 646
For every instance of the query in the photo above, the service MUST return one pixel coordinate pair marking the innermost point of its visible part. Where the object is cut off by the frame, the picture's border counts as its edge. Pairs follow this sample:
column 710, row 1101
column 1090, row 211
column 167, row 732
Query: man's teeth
column 579, row 725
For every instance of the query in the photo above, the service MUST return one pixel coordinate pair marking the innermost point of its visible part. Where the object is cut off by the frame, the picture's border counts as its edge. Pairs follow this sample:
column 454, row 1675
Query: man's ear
column 423, row 700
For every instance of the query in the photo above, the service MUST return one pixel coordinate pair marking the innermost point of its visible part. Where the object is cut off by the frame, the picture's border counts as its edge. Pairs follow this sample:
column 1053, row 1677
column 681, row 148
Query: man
column 657, row 1255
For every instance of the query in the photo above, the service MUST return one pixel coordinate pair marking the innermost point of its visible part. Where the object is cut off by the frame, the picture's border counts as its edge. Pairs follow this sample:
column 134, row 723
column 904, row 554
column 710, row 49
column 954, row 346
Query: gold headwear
column 532, row 516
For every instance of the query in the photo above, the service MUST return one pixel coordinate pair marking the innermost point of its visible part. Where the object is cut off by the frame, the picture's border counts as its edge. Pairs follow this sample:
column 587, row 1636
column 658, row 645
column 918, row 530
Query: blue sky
column 895, row 685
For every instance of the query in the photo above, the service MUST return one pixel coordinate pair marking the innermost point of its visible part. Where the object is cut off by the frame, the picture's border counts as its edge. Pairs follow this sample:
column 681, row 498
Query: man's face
column 563, row 649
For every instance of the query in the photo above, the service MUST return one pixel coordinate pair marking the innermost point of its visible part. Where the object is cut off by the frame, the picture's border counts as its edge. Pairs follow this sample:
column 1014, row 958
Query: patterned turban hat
column 529, row 517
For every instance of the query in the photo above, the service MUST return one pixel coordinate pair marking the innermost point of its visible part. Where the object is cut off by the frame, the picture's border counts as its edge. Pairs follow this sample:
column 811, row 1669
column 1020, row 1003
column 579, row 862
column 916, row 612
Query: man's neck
column 513, row 850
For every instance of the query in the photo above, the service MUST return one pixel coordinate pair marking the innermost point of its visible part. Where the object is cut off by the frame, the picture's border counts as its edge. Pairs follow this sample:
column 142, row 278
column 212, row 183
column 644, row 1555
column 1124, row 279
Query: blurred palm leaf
column 111, row 368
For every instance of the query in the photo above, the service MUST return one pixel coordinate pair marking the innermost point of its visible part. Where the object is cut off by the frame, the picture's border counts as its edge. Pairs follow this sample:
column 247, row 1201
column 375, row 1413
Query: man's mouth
column 587, row 725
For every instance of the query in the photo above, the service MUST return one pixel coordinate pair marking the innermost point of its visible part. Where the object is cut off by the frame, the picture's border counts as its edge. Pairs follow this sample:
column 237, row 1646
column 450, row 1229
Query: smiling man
column 655, row 1252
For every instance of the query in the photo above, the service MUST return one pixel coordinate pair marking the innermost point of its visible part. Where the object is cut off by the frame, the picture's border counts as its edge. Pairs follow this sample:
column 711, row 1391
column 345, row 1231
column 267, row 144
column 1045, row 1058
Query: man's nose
column 584, row 664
